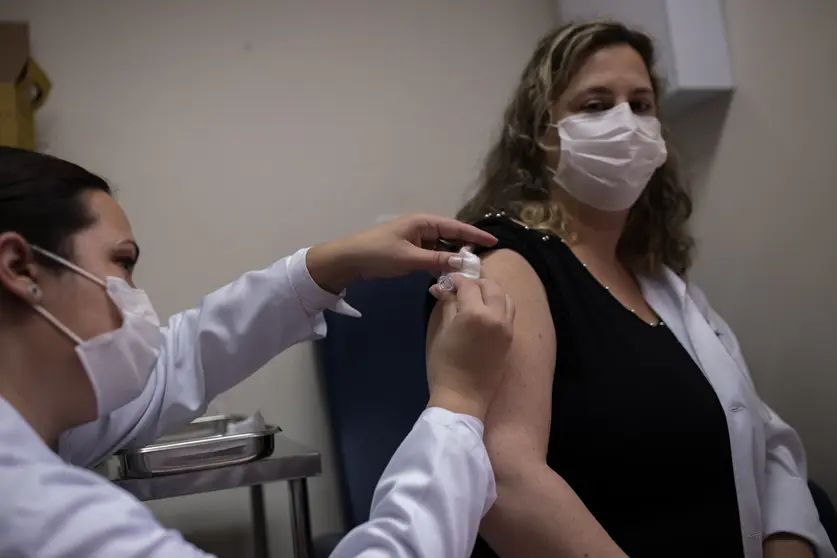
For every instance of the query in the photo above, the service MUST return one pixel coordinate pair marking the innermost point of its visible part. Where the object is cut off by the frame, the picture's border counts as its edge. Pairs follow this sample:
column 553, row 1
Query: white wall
column 239, row 131
column 766, row 186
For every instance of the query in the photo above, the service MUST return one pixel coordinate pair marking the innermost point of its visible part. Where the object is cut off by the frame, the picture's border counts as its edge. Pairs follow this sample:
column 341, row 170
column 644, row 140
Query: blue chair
column 373, row 371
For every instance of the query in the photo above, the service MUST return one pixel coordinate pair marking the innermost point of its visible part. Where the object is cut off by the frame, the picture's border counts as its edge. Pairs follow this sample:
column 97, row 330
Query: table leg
column 300, row 519
column 260, row 546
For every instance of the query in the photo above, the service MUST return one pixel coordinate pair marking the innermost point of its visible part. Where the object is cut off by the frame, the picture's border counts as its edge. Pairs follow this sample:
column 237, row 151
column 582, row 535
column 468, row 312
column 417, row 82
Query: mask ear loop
column 58, row 325
column 43, row 311
column 69, row 264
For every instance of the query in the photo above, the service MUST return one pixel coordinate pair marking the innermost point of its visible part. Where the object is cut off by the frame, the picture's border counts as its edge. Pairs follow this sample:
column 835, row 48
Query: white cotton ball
column 471, row 264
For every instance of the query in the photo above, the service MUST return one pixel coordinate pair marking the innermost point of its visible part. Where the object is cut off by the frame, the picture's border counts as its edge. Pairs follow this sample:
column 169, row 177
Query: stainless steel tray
column 204, row 444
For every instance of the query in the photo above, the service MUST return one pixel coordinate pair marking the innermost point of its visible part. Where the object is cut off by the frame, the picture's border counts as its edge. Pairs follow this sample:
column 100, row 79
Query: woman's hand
column 396, row 248
column 466, row 358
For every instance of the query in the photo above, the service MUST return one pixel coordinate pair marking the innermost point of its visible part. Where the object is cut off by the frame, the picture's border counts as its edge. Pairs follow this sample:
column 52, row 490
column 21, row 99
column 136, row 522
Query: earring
column 34, row 292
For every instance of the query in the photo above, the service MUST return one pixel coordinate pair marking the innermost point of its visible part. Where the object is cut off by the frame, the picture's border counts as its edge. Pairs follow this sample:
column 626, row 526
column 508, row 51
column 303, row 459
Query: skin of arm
column 787, row 546
column 537, row 514
column 330, row 265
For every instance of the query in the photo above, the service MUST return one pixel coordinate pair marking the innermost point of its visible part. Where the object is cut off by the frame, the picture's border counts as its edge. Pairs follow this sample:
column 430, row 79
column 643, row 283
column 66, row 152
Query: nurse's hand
column 396, row 248
column 465, row 358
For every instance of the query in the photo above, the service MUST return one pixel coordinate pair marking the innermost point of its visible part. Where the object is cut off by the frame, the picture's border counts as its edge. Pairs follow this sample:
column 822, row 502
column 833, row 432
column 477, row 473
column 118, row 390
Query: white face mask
column 119, row 362
column 608, row 158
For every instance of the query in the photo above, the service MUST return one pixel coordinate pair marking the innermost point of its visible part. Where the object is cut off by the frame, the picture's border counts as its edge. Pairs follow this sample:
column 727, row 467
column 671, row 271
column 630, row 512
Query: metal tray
column 204, row 444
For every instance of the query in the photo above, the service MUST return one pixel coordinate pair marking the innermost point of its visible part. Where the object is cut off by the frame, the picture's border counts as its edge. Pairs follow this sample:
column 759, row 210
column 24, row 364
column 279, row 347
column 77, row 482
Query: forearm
column 330, row 266
column 538, row 515
column 787, row 546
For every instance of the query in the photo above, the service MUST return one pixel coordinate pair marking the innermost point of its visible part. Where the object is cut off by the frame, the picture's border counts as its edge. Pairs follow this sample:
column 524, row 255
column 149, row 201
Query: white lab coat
column 51, row 506
column 768, row 456
column 432, row 495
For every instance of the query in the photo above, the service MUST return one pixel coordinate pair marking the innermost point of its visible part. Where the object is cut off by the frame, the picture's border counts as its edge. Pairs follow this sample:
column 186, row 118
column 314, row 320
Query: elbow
column 515, row 477
column 517, row 485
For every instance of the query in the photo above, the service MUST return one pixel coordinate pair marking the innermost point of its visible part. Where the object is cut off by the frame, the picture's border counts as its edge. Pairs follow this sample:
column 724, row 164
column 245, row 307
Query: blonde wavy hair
column 515, row 178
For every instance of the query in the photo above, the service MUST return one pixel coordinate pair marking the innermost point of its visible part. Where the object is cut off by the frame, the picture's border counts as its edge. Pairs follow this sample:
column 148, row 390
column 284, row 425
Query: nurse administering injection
column 87, row 368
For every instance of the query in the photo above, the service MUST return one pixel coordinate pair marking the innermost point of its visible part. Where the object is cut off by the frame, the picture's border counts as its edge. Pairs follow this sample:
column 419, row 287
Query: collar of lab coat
column 673, row 300
column 685, row 310
column 16, row 433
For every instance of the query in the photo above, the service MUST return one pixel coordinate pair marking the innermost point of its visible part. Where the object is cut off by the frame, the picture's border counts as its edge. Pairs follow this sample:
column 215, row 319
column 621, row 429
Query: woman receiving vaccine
column 627, row 422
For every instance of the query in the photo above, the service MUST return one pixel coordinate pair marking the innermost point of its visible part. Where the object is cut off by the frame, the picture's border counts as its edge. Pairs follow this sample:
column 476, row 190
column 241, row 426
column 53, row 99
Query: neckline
column 549, row 236
column 608, row 292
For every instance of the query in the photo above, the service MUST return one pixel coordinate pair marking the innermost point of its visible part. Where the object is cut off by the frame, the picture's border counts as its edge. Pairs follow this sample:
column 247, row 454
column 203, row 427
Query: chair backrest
column 375, row 381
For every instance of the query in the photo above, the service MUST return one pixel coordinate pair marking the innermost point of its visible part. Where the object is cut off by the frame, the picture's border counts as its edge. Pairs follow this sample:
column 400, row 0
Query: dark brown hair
column 41, row 199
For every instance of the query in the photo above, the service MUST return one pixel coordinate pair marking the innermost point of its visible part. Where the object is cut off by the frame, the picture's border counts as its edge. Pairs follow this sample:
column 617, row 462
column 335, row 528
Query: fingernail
column 455, row 262
column 434, row 292
column 445, row 283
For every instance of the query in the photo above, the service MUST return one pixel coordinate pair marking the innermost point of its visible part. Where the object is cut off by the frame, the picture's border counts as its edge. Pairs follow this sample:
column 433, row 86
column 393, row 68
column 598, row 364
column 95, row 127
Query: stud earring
column 34, row 292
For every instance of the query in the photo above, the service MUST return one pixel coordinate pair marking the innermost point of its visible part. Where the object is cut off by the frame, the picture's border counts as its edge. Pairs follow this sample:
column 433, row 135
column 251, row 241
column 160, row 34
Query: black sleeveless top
column 637, row 430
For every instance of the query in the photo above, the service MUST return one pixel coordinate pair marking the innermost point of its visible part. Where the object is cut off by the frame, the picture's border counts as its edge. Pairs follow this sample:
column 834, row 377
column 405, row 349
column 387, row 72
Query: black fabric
column 637, row 430
column 826, row 511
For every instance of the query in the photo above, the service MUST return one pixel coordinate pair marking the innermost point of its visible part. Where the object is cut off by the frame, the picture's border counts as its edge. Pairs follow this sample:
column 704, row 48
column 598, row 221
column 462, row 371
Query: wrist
column 331, row 266
column 455, row 402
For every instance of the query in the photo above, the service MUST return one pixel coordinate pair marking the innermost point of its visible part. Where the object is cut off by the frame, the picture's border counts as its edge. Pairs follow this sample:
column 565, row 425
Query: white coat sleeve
column 432, row 495
column 787, row 505
column 207, row 350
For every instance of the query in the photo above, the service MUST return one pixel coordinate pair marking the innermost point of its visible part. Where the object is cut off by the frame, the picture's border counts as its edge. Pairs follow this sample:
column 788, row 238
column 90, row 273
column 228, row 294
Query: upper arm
column 519, row 419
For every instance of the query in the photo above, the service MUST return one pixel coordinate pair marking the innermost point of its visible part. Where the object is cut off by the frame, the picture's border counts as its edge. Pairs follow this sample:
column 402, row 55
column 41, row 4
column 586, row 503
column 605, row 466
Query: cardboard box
column 24, row 87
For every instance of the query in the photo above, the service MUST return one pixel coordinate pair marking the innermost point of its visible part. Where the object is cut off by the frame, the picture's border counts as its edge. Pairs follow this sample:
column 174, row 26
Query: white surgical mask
column 118, row 362
column 607, row 158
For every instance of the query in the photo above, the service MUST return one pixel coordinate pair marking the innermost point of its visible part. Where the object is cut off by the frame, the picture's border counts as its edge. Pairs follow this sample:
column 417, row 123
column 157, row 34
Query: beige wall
column 239, row 131
column 766, row 187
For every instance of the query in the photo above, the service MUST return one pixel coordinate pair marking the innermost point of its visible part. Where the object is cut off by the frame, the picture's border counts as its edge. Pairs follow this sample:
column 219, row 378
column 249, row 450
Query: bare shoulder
column 509, row 268
column 521, row 282
column 533, row 327
column 517, row 277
